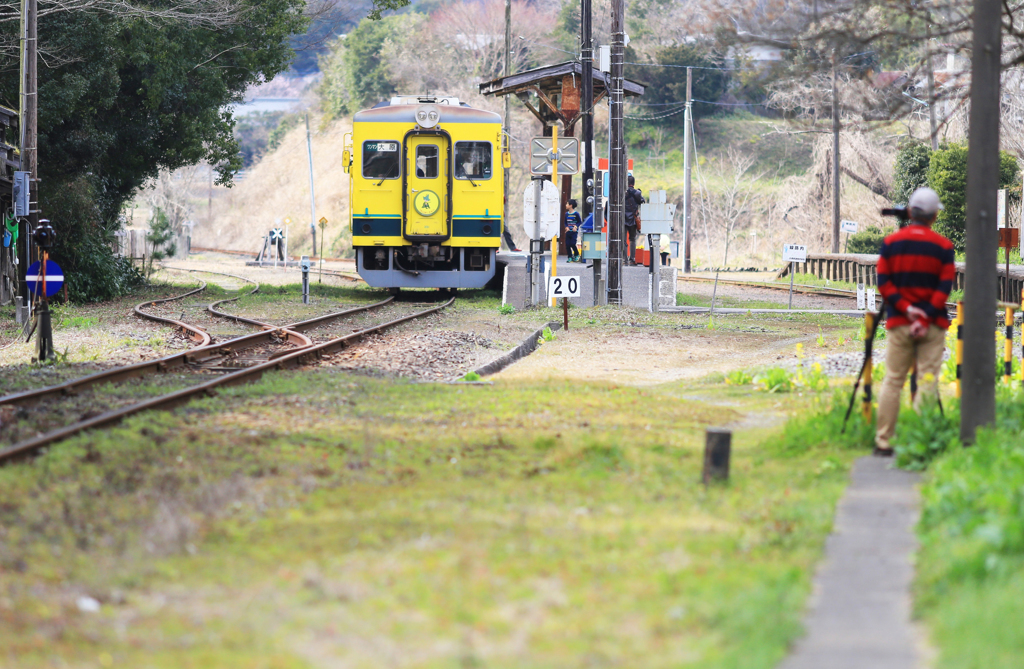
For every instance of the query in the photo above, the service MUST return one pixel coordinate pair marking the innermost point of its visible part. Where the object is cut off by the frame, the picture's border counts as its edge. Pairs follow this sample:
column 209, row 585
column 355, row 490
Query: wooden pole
column 616, row 161
column 978, row 408
column 687, row 170
column 835, row 155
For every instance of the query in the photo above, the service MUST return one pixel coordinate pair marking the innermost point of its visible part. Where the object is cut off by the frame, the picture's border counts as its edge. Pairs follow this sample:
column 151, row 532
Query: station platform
column 513, row 269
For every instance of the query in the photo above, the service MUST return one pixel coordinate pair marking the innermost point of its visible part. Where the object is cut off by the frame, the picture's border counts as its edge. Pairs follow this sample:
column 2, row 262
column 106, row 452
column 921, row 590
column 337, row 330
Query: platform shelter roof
column 558, row 87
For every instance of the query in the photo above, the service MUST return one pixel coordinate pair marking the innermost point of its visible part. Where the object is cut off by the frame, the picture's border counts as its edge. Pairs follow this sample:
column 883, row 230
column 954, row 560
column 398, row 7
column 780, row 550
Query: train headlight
column 427, row 116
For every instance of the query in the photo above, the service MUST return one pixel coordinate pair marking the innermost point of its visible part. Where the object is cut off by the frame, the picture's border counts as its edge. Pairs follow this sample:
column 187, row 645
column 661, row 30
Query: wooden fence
column 863, row 268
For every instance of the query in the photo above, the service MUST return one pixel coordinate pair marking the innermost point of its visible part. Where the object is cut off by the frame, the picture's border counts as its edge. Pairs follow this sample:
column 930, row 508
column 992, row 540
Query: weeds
column 775, row 380
column 821, row 338
column 739, row 378
column 506, row 309
column 547, row 334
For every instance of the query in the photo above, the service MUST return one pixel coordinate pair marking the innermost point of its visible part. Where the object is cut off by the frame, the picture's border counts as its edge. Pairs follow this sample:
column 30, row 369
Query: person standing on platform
column 634, row 198
column 916, row 269
column 572, row 230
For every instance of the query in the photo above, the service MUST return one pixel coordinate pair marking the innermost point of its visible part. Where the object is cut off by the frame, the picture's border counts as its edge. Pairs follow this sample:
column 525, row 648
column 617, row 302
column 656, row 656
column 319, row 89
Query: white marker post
column 564, row 287
column 793, row 253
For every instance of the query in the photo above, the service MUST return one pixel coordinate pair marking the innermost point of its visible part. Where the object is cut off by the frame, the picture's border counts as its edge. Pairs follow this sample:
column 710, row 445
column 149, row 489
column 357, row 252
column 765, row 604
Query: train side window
column 473, row 160
column 426, row 161
column 381, row 160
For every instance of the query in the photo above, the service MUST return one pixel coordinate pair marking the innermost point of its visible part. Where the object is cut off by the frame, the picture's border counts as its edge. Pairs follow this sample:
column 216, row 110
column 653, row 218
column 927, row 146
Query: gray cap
column 924, row 202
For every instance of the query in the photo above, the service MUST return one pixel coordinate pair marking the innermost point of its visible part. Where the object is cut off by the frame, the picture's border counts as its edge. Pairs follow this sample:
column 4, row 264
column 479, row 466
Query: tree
column 666, row 81
column 129, row 95
column 356, row 75
column 910, row 171
column 947, row 174
column 160, row 238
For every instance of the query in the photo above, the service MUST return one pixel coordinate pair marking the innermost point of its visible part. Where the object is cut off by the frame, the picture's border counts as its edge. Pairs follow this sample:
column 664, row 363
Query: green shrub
column 947, row 174
column 868, row 240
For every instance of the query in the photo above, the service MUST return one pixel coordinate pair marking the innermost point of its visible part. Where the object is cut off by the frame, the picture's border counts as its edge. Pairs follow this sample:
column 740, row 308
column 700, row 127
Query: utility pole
column 507, row 124
column 835, row 155
column 587, row 56
column 978, row 377
column 933, row 130
column 617, row 159
column 28, row 125
column 312, row 194
column 687, row 168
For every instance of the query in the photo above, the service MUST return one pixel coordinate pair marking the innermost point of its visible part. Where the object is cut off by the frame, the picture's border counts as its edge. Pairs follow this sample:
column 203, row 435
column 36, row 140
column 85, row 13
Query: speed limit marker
column 564, row 286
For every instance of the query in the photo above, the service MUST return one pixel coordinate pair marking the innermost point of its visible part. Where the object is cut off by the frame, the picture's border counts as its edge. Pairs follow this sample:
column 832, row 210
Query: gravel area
column 437, row 355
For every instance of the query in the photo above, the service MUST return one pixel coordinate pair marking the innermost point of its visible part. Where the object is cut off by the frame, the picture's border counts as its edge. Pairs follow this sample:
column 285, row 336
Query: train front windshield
column 473, row 160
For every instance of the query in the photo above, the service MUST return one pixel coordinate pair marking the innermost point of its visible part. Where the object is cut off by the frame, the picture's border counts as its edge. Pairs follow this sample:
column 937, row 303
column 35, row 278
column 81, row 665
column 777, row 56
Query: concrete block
column 636, row 283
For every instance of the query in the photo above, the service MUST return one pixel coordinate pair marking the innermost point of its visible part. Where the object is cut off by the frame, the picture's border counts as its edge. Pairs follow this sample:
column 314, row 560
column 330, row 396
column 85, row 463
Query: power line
column 692, row 67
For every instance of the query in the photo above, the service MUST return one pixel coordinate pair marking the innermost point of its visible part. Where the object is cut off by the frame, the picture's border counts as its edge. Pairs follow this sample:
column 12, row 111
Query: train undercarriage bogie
column 426, row 266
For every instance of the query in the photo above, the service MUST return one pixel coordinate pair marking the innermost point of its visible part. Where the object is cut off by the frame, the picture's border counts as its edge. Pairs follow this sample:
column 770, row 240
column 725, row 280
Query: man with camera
column 916, row 269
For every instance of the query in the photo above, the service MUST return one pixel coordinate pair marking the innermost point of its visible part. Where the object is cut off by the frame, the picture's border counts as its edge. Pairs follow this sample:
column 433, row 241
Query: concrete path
column 859, row 616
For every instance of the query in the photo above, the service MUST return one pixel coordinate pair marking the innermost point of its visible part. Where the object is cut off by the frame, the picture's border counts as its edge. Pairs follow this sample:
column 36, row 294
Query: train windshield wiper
column 475, row 184
column 386, row 175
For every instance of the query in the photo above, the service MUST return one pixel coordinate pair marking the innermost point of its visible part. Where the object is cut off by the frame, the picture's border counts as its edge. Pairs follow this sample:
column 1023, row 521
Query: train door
column 426, row 198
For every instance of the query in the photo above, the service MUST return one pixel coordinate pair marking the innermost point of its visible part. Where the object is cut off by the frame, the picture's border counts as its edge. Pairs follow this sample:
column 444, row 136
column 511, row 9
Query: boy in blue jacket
column 572, row 228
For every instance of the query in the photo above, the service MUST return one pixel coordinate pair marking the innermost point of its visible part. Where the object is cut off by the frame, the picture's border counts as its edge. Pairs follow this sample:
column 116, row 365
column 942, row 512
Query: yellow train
column 426, row 178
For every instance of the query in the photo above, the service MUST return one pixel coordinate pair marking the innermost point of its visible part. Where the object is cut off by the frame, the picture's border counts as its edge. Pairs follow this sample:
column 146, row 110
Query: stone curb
column 525, row 348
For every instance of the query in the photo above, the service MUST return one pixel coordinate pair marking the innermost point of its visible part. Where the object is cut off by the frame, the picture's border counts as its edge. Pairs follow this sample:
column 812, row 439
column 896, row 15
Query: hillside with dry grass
column 277, row 188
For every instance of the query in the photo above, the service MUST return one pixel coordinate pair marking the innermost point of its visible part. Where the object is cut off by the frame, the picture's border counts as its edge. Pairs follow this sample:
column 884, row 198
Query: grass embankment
column 319, row 518
column 970, row 584
column 970, row 569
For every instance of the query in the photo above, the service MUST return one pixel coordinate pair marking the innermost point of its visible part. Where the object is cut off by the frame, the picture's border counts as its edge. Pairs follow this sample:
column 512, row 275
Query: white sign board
column 542, row 155
column 563, row 286
column 658, row 214
column 1001, row 207
column 861, row 297
column 550, row 202
column 794, row 253
column 849, row 227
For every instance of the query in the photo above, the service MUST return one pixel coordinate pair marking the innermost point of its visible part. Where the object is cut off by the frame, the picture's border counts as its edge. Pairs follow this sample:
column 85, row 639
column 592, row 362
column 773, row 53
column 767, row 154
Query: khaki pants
column 901, row 352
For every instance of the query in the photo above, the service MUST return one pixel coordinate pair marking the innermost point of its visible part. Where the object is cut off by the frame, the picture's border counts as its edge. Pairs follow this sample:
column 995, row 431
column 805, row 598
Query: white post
column 792, row 273
column 536, row 244
column 654, row 242
column 312, row 193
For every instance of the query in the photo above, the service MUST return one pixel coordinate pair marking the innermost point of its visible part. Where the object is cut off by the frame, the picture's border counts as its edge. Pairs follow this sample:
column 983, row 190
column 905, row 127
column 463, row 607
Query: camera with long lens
column 901, row 213
column 44, row 236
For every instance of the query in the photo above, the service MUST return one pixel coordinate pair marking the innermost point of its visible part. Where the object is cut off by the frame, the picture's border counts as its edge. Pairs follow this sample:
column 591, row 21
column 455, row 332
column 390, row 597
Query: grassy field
column 970, row 585
column 322, row 518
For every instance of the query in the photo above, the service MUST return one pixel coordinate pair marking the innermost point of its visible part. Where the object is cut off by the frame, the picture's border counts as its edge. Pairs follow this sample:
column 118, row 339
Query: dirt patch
column 647, row 356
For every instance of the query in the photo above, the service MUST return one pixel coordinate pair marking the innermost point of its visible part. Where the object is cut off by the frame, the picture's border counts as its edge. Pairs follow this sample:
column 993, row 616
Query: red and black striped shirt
column 916, row 268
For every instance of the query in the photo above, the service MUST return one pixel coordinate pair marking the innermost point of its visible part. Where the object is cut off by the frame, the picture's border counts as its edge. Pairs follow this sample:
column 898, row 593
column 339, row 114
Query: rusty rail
column 195, row 333
column 197, row 355
column 177, row 398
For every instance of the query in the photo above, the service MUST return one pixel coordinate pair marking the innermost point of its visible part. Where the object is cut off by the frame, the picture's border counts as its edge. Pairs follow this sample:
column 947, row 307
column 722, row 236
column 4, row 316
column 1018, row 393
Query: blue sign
column 54, row 278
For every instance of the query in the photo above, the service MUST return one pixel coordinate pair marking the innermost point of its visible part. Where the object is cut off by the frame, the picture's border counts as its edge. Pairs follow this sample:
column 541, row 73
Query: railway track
column 797, row 288
column 211, row 358
column 824, row 291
